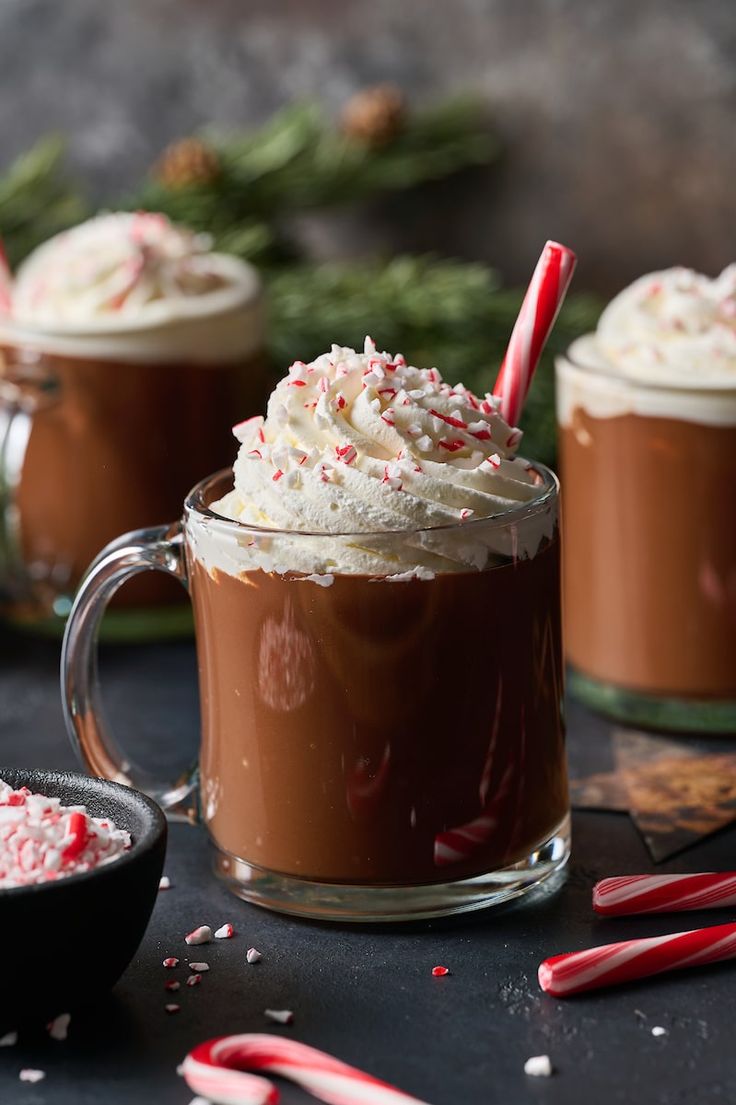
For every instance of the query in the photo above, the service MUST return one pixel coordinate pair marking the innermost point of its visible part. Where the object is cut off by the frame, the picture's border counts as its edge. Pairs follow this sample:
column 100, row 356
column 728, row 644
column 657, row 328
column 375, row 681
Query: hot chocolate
column 377, row 612
column 647, row 414
column 355, row 733
column 126, row 337
column 381, row 700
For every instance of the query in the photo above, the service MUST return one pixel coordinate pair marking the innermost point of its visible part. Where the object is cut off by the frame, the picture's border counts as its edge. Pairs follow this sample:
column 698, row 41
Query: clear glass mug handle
column 159, row 549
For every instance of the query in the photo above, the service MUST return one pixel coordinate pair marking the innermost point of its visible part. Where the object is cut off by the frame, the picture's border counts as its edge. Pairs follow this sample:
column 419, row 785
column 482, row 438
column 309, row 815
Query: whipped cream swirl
column 119, row 265
column 674, row 328
column 362, row 443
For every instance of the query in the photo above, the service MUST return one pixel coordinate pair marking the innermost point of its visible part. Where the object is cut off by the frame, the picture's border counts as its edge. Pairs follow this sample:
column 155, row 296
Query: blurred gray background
column 617, row 115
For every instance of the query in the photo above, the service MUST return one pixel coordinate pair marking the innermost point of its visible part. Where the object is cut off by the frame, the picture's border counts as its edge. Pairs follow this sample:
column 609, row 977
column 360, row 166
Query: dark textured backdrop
column 618, row 114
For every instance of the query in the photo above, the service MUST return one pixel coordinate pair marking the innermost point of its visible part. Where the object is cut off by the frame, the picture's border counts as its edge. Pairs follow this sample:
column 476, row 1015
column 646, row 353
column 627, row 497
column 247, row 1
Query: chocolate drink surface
column 350, row 730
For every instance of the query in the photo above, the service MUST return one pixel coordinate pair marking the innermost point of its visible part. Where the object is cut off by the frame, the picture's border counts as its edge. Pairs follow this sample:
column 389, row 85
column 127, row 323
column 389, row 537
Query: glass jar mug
column 85, row 419
column 372, row 748
column 649, row 484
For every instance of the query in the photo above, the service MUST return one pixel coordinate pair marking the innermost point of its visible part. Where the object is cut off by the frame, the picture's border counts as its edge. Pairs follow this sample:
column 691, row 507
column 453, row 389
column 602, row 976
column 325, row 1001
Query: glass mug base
column 657, row 712
column 341, row 902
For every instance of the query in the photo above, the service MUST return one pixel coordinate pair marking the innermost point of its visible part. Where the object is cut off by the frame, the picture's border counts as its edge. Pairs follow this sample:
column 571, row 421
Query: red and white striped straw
column 612, row 964
column 542, row 302
column 219, row 1071
column 6, row 282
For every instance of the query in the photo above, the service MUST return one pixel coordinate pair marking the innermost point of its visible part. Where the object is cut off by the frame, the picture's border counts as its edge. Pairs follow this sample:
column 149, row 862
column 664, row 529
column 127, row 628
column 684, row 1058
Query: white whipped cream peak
column 362, row 443
column 123, row 268
column 673, row 328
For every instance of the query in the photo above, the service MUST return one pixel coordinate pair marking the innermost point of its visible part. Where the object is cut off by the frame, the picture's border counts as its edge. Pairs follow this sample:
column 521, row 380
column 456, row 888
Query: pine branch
column 299, row 160
column 36, row 201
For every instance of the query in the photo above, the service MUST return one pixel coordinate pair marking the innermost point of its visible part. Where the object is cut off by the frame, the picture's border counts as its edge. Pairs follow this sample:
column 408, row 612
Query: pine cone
column 376, row 115
column 190, row 161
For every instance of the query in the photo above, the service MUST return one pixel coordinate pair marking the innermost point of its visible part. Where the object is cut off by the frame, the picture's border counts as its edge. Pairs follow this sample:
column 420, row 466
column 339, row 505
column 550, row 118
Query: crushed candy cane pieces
column 440, row 972
column 280, row 1016
column 658, row 1030
column 201, row 935
column 164, row 883
column 58, row 1029
column 539, row 1066
column 41, row 840
column 171, row 961
column 200, row 967
column 225, row 932
column 10, row 1039
column 253, row 955
column 28, row 1074
column 173, row 986
column 172, row 1007
column 194, row 980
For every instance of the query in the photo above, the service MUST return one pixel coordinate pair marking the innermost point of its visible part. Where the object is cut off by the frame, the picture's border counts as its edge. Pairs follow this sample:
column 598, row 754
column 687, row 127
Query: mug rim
column 549, row 493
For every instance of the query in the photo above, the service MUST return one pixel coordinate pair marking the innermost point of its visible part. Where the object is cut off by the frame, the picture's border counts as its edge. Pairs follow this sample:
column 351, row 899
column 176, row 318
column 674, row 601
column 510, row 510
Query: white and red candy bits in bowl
column 80, row 863
column 42, row 840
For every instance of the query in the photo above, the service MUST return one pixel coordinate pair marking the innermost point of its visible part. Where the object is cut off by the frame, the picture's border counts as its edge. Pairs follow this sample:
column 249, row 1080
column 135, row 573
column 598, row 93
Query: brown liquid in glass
column 372, row 732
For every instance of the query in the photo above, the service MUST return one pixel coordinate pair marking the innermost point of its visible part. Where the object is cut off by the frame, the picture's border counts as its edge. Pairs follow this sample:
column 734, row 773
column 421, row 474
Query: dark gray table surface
column 366, row 993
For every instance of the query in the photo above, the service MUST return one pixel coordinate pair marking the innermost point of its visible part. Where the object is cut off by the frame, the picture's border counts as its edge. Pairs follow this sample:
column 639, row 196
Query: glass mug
column 649, row 477
column 70, row 406
column 372, row 748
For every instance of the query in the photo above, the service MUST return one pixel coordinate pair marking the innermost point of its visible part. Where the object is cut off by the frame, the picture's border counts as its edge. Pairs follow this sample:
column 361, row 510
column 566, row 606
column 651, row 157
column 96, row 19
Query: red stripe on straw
column 541, row 305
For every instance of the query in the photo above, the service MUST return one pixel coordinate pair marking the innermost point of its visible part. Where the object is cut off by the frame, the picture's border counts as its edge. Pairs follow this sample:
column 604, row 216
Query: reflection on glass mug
column 128, row 346
column 373, row 746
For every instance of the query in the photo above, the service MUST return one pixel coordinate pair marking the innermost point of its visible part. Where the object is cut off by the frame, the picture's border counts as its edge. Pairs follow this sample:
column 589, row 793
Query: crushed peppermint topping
column 280, row 1016
column 225, row 932
column 201, row 935
column 42, row 841
column 346, row 453
column 164, row 883
column 440, row 972
column 171, row 961
column 199, row 968
column 58, row 1029
column 253, row 955
column 539, row 1066
column 28, row 1074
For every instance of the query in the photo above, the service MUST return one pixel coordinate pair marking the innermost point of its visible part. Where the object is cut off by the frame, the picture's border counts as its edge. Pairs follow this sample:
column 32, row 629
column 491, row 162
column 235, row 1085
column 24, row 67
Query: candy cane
column 218, row 1070
column 612, row 964
column 664, row 893
column 537, row 315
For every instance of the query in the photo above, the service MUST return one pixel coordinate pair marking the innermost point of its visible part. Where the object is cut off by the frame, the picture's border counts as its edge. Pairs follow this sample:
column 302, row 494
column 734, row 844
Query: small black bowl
column 67, row 942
